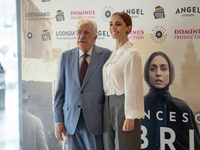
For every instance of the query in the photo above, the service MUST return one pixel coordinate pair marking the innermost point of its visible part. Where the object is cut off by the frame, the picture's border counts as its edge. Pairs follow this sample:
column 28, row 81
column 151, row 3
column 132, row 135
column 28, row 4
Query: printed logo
column 45, row 0
column 159, row 12
column 82, row 14
column 29, row 35
column 159, row 34
column 71, row 35
column 37, row 16
column 188, row 11
column 65, row 35
column 136, row 35
column 134, row 13
column 107, row 13
column 46, row 35
column 102, row 34
column 60, row 16
column 187, row 34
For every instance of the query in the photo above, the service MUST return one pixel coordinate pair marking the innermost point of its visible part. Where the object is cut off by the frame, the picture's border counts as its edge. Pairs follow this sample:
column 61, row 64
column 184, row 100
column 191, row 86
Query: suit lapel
column 94, row 62
column 75, row 65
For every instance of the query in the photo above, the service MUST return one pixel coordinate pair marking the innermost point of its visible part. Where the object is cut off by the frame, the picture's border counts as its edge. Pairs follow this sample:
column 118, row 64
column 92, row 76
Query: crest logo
column 46, row 35
column 159, row 12
column 60, row 16
column 107, row 13
column 159, row 34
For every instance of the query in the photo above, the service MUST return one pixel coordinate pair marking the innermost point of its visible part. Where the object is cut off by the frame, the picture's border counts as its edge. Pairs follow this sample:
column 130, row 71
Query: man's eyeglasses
column 79, row 32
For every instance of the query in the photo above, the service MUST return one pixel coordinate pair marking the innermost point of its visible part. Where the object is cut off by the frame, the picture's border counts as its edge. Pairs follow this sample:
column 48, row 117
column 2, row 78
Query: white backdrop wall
column 47, row 29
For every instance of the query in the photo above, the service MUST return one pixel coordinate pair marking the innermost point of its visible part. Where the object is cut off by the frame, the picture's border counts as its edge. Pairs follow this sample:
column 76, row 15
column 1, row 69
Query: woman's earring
column 127, row 32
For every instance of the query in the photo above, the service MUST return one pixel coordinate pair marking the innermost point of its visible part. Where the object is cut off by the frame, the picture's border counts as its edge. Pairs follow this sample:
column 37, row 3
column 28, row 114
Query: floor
column 9, row 124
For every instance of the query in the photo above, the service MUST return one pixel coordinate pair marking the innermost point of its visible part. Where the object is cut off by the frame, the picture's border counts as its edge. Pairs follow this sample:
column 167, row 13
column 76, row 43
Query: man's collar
column 89, row 52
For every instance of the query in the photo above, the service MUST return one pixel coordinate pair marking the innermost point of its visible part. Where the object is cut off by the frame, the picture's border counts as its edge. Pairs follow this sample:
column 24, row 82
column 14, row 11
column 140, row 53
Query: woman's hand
column 128, row 125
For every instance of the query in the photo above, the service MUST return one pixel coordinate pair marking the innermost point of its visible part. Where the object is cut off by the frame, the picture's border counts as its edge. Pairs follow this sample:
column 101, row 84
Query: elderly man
column 79, row 97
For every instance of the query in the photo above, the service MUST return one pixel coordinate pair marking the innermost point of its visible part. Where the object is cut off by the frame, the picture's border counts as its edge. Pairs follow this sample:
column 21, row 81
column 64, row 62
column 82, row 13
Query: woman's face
column 118, row 27
column 159, row 72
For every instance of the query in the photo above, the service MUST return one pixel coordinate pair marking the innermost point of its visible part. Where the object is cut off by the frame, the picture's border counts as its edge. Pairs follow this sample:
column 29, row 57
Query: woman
column 166, row 114
column 123, row 87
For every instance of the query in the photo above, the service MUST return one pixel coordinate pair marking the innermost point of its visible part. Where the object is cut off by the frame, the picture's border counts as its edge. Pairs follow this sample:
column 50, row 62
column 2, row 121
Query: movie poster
column 172, row 27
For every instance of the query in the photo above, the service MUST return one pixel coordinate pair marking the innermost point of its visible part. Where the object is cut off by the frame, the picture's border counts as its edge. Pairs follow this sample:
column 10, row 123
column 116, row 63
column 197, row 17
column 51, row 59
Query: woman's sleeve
column 133, row 82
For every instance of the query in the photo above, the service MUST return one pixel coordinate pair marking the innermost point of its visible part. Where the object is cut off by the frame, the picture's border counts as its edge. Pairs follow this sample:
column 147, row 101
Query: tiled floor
column 9, row 124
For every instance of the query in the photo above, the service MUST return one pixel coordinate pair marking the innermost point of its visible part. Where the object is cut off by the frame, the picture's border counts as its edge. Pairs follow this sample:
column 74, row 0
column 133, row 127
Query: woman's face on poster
column 159, row 72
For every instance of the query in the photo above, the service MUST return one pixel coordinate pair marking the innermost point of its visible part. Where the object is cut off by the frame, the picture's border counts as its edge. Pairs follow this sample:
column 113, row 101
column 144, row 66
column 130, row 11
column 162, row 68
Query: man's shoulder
column 106, row 50
column 31, row 117
column 67, row 52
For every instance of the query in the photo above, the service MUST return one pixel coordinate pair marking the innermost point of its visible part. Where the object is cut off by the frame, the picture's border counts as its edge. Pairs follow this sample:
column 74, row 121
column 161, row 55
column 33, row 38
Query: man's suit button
column 81, row 92
column 79, row 106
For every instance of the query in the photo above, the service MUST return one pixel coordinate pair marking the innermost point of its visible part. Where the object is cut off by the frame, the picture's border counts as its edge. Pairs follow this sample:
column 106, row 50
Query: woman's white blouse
column 122, row 74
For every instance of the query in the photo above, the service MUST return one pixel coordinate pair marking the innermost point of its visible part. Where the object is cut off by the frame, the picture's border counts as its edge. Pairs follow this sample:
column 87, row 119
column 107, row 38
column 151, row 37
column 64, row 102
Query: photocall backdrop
column 48, row 29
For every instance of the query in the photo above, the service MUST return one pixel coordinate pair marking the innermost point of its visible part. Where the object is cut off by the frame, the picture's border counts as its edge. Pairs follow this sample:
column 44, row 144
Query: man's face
column 85, row 37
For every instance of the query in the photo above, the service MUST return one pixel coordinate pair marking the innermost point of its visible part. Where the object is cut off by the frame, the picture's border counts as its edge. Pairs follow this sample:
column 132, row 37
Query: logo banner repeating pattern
column 48, row 29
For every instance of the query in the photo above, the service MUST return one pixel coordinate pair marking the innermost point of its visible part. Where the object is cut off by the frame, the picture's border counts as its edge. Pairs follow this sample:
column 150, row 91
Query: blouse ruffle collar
column 117, row 53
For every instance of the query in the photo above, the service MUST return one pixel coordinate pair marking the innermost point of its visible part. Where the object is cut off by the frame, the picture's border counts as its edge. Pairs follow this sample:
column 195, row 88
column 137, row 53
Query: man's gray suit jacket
column 70, row 96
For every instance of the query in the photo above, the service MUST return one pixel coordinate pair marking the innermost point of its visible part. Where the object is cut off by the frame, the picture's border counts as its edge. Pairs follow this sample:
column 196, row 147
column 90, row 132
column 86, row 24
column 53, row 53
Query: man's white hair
column 83, row 21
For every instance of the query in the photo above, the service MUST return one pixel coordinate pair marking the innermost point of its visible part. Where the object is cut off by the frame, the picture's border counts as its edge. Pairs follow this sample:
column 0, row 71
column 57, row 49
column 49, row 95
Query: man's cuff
column 59, row 123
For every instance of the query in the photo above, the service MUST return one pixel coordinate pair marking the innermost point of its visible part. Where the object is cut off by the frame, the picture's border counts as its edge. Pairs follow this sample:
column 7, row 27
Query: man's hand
column 128, row 125
column 58, row 130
